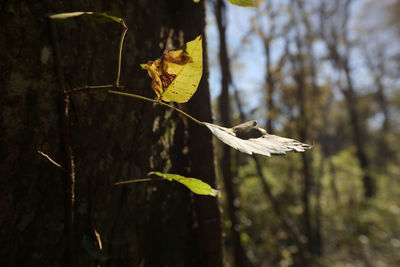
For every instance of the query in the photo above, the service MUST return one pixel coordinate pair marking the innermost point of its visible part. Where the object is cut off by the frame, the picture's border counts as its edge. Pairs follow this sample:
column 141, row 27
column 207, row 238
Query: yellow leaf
column 176, row 75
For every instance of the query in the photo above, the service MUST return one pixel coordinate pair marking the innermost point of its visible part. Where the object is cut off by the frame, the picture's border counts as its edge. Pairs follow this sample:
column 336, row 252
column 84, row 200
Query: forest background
column 322, row 72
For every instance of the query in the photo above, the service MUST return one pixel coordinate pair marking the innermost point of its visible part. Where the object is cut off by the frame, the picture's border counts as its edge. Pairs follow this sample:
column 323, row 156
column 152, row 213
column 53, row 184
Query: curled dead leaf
column 251, row 139
column 177, row 73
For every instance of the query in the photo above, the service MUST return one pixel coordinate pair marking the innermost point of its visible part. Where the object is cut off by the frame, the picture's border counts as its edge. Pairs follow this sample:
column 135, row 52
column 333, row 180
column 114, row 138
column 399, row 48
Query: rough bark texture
column 61, row 217
column 201, row 156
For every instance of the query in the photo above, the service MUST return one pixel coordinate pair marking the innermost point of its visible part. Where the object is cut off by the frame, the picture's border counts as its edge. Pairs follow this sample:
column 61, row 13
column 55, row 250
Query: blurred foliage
column 355, row 230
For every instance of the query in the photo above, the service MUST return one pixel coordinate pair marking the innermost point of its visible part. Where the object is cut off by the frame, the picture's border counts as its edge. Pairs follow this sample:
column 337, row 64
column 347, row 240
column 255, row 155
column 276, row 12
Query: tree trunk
column 201, row 153
column 299, row 75
column 270, row 83
column 74, row 215
column 358, row 134
column 341, row 62
column 239, row 254
column 287, row 224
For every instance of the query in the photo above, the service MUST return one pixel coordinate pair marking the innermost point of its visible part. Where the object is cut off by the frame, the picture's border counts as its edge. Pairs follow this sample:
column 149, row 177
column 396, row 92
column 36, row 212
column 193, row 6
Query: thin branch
column 89, row 87
column 98, row 239
column 106, row 86
column 157, row 102
column 50, row 159
column 137, row 180
column 121, row 44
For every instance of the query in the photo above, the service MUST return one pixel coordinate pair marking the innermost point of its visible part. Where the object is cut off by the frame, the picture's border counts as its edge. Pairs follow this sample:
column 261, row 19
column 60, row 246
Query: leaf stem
column 121, row 44
column 159, row 103
column 135, row 181
column 51, row 160
column 89, row 87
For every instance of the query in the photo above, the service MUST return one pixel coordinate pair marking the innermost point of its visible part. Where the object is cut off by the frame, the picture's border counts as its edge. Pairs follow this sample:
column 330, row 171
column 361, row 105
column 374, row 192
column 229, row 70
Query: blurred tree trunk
column 303, row 133
column 300, row 257
column 75, row 216
column 299, row 76
column 271, row 73
column 358, row 133
column 310, row 105
column 335, row 32
column 270, row 83
column 239, row 253
column 376, row 62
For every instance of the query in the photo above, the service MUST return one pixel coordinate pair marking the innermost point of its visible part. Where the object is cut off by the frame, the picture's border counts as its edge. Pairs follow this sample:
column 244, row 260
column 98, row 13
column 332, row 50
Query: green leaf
column 244, row 3
column 196, row 1
column 176, row 75
column 81, row 13
column 105, row 15
column 195, row 185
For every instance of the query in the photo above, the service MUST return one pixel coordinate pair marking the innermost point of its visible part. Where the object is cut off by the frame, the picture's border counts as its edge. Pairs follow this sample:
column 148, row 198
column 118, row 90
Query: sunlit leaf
column 196, row 1
column 80, row 13
column 176, row 75
column 250, row 139
column 244, row 3
column 105, row 15
column 195, row 185
column 69, row 15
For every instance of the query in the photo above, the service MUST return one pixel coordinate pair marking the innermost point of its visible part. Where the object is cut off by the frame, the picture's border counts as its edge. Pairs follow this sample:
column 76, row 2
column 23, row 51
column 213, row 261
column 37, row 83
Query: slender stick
column 89, row 87
column 135, row 181
column 50, row 159
column 157, row 102
column 121, row 44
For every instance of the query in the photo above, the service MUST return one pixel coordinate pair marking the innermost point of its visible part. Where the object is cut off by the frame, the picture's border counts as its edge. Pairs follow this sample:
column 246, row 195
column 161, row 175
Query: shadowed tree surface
column 75, row 216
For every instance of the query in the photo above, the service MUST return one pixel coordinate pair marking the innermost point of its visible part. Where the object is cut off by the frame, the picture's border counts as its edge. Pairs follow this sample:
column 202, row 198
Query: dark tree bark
column 74, row 215
column 201, row 155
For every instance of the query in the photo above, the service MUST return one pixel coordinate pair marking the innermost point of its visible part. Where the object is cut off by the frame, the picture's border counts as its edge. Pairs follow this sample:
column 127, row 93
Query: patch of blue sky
column 248, row 58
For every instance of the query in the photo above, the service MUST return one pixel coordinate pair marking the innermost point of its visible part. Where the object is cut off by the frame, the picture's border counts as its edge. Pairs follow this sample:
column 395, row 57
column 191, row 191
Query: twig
column 121, row 43
column 106, row 86
column 90, row 87
column 98, row 238
column 50, row 159
column 159, row 103
column 135, row 181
